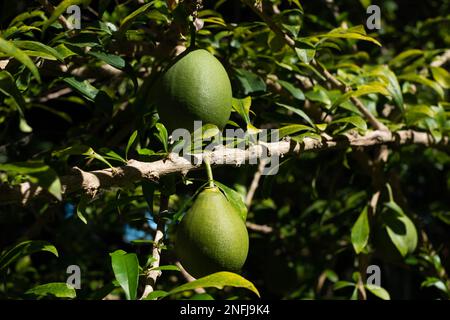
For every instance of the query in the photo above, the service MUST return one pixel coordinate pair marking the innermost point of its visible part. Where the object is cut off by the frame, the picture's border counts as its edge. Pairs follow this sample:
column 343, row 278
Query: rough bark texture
column 90, row 182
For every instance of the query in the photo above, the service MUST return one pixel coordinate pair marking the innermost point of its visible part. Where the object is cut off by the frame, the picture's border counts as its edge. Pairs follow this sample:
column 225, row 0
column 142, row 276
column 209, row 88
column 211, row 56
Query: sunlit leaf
column 10, row 49
column 126, row 270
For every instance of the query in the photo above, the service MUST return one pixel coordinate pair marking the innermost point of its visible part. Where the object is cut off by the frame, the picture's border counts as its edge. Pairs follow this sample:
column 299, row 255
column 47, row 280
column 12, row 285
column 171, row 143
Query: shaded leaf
column 24, row 249
column 130, row 143
column 84, row 87
column 250, row 82
column 39, row 173
column 111, row 59
column 400, row 228
column 128, row 20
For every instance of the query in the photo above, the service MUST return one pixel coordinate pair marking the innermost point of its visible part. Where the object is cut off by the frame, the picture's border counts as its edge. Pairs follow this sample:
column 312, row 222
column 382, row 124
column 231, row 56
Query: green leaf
column 299, row 112
column 357, row 33
column 162, row 135
column 435, row 282
column 400, row 228
column 90, row 153
column 357, row 121
column 404, row 56
column 126, row 22
column 156, row 294
column 126, row 270
column 130, row 142
column 375, row 87
column 38, row 47
column 57, row 289
column 39, row 173
column 293, row 128
column 242, row 106
column 81, row 208
column 305, row 51
column 235, row 200
column 24, row 249
column 201, row 296
column 294, row 91
column 77, row 149
column 342, row 284
column 111, row 59
column 8, row 87
column 411, row 77
column 167, row 268
column 441, row 76
column 64, row 52
column 60, row 9
column 360, row 232
column 250, row 82
column 84, row 87
column 319, row 94
column 392, row 84
column 10, row 49
column 217, row 280
column 112, row 155
column 378, row 291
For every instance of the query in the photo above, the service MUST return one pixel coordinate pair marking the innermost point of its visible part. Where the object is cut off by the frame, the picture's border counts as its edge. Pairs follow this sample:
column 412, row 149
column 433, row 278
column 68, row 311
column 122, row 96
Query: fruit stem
column 209, row 171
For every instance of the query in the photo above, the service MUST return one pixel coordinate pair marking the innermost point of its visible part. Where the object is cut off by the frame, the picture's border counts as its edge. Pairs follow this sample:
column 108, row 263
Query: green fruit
column 195, row 87
column 211, row 236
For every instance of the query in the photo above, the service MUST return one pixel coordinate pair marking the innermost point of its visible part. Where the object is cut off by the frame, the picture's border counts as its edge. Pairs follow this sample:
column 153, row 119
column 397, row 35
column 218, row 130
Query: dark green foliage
column 80, row 98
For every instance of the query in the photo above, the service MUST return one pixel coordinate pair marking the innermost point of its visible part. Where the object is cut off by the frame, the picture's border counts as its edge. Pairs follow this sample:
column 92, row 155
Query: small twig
column 258, row 227
column 255, row 183
column 50, row 9
column 152, row 275
column 188, row 277
column 55, row 95
column 439, row 61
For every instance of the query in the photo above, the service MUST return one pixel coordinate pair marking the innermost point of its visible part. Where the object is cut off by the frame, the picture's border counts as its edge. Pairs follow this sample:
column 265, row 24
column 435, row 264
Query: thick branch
column 90, row 182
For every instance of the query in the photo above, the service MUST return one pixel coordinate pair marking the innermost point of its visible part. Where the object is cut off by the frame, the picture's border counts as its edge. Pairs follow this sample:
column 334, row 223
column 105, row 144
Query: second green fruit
column 211, row 237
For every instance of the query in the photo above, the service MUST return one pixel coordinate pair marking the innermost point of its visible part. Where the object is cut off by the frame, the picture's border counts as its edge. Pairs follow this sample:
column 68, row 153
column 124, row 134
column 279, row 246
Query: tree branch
column 152, row 275
column 90, row 182
column 255, row 183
